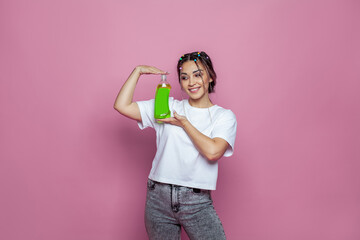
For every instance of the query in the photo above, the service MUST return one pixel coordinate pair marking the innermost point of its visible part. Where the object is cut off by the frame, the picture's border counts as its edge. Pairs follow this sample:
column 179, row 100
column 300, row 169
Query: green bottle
column 161, row 109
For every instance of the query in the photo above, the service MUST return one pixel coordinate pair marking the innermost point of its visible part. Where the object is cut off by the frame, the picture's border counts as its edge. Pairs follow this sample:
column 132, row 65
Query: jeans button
column 176, row 208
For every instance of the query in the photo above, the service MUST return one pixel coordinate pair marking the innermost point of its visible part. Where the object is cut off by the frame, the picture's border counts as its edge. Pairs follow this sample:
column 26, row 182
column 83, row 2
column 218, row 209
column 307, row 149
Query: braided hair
column 205, row 61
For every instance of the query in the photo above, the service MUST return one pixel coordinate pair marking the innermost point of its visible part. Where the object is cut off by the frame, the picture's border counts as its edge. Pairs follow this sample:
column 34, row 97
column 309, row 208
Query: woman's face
column 191, row 82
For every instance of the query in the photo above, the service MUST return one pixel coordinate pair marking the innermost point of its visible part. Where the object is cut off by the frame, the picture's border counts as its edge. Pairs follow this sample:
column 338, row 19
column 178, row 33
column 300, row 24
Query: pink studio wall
column 73, row 168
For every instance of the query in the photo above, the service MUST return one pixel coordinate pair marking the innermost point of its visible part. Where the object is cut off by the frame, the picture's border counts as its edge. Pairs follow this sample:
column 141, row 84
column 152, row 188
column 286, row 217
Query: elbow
column 216, row 151
column 118, row 108
column 213, row 156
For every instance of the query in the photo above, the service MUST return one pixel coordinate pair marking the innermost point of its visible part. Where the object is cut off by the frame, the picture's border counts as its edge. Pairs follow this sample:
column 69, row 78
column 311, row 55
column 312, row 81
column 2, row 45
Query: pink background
column 73, row 168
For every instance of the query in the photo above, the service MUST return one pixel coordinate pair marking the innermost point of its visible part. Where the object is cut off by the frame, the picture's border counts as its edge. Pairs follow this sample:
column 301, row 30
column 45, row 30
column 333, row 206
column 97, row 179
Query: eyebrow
column 200, row 70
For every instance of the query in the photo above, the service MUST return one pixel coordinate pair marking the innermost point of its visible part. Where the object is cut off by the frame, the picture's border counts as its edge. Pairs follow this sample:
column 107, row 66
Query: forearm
column 212, row 149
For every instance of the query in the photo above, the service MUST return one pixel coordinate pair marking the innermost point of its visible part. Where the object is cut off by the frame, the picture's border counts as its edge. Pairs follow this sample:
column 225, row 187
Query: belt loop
column 151, row 184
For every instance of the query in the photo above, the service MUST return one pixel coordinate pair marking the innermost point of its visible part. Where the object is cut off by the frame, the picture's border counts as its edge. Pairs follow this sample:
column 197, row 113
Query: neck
column 201, row 103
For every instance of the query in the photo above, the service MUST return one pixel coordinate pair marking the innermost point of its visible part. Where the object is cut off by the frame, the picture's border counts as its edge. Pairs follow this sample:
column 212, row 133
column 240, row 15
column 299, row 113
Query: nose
column 192, row 81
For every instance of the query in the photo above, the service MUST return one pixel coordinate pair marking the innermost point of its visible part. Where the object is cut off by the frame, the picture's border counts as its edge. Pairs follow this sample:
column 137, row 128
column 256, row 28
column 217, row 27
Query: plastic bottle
column 161, row 109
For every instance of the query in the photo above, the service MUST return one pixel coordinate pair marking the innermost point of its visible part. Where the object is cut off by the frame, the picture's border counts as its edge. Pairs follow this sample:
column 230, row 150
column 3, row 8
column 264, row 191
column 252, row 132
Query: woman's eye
column 197, row 75
column 183, row 78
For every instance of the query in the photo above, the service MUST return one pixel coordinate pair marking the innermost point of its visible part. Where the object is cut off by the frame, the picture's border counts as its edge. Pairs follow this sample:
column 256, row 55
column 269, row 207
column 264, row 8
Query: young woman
column 189, row 145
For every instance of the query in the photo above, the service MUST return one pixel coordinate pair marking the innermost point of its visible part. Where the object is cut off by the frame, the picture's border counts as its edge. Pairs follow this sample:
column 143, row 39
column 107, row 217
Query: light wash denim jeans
column 168, row 207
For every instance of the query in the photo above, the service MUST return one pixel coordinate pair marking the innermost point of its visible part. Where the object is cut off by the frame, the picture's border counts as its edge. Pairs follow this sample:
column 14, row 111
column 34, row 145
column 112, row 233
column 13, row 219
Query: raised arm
column 124, row 101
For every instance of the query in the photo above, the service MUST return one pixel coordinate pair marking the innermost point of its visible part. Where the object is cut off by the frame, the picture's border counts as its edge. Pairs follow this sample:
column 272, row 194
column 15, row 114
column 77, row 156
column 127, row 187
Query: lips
column 194, row 90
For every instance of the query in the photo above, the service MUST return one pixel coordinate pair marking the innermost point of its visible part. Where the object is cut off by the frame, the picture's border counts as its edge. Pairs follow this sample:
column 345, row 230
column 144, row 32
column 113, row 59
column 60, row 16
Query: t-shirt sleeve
column 225, row 128
column 147, row 114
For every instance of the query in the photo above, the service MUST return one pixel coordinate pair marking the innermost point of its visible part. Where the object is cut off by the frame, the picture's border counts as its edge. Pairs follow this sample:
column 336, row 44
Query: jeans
column 168, row 207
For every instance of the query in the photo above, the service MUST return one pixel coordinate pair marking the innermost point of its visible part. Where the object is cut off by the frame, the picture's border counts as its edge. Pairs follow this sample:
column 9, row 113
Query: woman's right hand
column 144, row 69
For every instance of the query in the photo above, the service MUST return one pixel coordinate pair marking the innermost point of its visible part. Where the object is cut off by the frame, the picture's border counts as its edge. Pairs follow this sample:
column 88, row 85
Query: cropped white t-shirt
column 177, row 161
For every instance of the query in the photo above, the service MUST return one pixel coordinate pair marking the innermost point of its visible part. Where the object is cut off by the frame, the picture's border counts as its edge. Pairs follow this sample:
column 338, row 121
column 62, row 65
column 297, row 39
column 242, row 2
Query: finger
column 160, row 120
column 158, row 71
column 176, row 115
column 165, row 120
column 152, row 70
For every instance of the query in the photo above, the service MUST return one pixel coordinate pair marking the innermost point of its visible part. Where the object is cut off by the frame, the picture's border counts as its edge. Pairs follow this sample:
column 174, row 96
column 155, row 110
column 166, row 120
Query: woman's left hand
column 177, row 120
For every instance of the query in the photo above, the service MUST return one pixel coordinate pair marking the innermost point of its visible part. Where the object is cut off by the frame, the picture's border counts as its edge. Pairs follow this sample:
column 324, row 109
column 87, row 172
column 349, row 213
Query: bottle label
column 162, row 103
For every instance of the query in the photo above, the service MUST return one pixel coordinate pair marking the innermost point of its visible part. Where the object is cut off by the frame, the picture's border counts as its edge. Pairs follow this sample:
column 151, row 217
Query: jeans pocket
column 150, row 184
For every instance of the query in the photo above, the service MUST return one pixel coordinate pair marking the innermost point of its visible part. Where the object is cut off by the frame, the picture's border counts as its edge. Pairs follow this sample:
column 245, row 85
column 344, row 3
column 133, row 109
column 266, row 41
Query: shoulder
column 224, row 114
column 146, row 101
column 145, row 104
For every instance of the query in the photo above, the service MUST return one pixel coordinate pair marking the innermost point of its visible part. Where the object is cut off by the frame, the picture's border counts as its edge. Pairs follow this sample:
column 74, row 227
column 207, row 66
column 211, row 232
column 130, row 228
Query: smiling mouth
column 194, row 90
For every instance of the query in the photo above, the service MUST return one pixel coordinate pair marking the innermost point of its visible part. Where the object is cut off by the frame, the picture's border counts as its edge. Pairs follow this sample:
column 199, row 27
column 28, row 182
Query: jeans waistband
column 196, row 190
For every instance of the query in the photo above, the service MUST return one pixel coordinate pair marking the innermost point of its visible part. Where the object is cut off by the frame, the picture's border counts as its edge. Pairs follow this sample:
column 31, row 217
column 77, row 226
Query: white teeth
column 194, row 89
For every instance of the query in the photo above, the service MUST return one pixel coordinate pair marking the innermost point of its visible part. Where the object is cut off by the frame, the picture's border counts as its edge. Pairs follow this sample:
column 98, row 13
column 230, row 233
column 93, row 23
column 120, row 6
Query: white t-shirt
column 177, row 161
